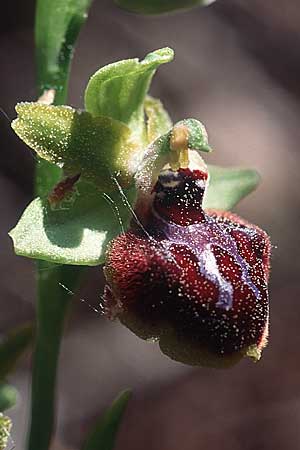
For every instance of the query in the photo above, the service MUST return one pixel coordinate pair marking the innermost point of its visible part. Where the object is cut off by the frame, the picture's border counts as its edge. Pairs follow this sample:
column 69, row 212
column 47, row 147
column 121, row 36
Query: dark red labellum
column 195, row 280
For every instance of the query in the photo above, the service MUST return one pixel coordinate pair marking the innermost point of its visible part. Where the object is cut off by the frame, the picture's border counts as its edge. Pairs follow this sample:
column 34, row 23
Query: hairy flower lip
column 195, row 281
column 180, row 348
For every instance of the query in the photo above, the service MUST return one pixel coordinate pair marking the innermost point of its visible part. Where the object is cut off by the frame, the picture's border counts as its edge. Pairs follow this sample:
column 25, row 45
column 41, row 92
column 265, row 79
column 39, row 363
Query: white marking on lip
column 209, row 266
column 199, row 238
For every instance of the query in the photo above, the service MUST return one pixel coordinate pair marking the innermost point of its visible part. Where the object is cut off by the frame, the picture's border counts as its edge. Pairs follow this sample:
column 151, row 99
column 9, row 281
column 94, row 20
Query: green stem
column 58, row 23
column 53, row 303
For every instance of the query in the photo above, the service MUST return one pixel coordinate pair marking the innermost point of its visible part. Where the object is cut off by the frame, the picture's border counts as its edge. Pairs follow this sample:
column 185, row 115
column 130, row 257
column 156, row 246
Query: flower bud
column 195, row 280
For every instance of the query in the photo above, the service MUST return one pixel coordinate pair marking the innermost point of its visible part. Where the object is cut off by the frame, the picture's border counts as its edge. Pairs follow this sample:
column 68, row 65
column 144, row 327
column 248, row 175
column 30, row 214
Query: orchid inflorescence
column 135, row 194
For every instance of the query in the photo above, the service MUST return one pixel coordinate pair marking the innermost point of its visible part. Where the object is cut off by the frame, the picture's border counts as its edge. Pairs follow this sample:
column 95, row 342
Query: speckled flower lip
column 195, row 280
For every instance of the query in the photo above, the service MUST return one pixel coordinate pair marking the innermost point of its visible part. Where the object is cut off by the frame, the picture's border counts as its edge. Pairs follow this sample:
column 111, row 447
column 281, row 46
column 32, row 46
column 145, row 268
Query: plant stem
column 53, row 304
column 58, row 23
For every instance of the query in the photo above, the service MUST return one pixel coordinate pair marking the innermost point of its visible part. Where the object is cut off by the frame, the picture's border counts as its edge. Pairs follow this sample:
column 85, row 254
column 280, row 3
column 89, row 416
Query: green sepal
column 103, row 436
column 75, row 141
column 118, row 90
column 158, row 119
column 160, row 6
column 228, row 185
column 77, row 235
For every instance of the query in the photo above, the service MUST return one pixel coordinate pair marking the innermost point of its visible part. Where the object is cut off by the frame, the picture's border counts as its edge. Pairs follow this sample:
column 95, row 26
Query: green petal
column 158, row 153
column 160, row 6
column 158, row 119
column 78, row 235
column 198, row 139
column 118, row 90
column 76, row 141
column 227, row 186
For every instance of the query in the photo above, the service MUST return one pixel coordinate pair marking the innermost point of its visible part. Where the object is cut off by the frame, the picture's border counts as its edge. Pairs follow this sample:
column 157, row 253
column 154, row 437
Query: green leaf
column 12, row 348
column 8, row 396
column 104, row 434
column 227, row 186
column 77, row 235
column 5, row 427
column 118, row 90
column 158, row 119
column 76, row 141
column 57, row 26
column 160, row 6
